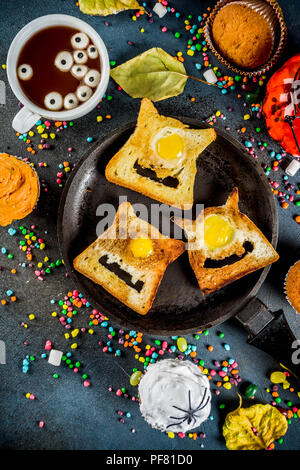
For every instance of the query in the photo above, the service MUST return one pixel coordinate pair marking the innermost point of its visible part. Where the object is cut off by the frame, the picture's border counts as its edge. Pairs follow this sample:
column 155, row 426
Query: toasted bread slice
column 140, row 150
column 244, row 240
column 113, row 247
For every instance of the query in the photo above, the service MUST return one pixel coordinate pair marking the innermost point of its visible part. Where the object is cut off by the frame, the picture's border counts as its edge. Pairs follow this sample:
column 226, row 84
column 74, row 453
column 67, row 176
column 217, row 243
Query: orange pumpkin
column 280, row 107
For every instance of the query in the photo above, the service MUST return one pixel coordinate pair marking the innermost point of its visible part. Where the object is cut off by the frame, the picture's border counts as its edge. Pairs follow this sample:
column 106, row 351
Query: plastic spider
column 190, row 413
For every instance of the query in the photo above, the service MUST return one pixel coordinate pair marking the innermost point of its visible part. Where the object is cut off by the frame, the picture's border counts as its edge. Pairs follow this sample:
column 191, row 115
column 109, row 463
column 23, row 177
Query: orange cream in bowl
column 19, row 189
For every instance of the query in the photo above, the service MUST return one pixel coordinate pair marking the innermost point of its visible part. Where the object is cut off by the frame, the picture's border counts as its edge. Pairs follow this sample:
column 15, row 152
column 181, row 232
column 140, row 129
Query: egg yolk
column 141, row 247
column 217, row 232
column 169, row 147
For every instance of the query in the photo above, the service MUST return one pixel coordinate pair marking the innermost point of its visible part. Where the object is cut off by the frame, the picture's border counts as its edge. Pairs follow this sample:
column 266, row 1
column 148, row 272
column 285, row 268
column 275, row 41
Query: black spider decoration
column 190, row 413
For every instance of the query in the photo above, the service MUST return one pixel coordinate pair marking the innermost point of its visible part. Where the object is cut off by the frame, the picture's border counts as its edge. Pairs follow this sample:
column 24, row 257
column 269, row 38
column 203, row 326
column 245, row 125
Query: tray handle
column 271, row 333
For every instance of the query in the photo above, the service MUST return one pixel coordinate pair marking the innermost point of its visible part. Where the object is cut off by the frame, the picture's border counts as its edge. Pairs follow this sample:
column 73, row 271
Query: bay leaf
column 154, row 74
column 253, row 428
column 107, row 7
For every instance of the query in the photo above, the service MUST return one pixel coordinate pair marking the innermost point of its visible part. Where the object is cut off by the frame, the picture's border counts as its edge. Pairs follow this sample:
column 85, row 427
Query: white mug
column 31, row 113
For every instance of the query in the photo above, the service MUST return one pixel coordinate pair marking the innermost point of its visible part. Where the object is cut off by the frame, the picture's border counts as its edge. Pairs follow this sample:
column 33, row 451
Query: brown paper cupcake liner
column 272, row 12
column 285, row 292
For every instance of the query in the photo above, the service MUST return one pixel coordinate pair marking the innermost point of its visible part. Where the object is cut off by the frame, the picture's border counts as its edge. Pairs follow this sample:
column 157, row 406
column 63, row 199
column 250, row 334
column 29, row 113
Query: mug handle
column 24, row 120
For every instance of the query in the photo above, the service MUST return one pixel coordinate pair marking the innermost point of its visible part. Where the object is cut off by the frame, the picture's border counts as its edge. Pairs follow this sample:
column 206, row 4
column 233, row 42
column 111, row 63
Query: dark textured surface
column 79, row 418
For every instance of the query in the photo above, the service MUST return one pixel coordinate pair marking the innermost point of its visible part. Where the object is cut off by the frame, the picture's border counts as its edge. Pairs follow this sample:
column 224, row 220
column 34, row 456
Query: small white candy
column 70, row 101
column 79, row 71
column 210, row 76
column 92, row 78
column 53, row 101
column 64, row 61
column 55, row 357
column 92, row 52
column 160, row 10
column 292, row 167
column 25, row 72
column 80, row 41
column 80, row 57
column 83, row 92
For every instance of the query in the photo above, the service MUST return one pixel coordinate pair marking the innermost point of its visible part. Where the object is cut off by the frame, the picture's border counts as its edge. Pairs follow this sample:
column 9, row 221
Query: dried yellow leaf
column 253, row 428
column 107, row 7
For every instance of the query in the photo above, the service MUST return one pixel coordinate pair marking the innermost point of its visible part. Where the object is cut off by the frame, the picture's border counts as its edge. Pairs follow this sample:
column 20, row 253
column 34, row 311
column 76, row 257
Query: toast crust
column 261, row 255
column 149, row 270
column 139, row 150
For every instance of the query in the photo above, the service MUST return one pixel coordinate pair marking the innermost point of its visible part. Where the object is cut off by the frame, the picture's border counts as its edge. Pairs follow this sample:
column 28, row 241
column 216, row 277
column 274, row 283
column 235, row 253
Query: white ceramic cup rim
column 25, row 34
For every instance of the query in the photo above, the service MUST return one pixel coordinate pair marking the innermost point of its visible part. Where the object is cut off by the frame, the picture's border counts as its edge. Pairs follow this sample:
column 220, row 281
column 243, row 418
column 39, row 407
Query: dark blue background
column 75, row 417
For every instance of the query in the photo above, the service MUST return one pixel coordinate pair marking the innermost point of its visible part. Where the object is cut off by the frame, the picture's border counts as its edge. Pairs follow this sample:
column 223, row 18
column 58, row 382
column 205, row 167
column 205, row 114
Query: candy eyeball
column 64, row 61
column 92, row 52
column 53, row 101
column 80, row 41
column 80, row 57
column 92, row 78
column 70, row 101
column 25, row 72
column 79, row 71
column 83, row 92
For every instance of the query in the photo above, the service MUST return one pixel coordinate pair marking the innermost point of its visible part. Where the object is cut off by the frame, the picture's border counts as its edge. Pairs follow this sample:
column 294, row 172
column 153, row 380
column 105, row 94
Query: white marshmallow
column 83, row 92
column 63, row 61
column 53, row 101
column 292, row 167
column 92, row 52
column 80, row 57
column 92, row 78
column 160, row 10
column 55, row 357
column 25, row 72
column 80, row 41
column 79, row 71
column 70, row 101
column 210, row 76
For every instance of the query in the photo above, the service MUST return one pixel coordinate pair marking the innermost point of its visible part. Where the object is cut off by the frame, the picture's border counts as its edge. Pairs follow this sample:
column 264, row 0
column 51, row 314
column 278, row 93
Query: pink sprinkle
column 164, row 29
column 48, row 345
column 119, row 392
column 86, row 383
column 32, row 397
column 181, row 435
column 222, row 373
column 41, row 424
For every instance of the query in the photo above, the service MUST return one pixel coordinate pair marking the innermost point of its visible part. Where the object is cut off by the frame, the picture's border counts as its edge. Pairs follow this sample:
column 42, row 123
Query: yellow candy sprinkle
column 74, row 346
column 31, row 316
column 99, row 118
column 246, row 117
column 27, row 395
column 171, row 435
column 67, row 336
column 190, row 52
column 74, row 333
column 91, row 332
column 52, row 135
column 54, row 314
column 227, row 385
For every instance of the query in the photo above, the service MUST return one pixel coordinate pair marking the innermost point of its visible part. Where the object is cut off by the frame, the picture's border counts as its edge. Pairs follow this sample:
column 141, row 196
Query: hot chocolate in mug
column 86, row 47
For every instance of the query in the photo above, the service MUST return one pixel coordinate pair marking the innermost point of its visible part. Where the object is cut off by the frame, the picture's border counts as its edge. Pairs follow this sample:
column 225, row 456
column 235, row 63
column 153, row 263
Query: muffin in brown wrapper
column 292, row 286
column 247, row 51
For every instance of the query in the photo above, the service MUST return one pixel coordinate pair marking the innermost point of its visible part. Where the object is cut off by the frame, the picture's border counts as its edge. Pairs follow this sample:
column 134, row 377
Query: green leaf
column 253, row 428
column 107, row 7
column 154, row 74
